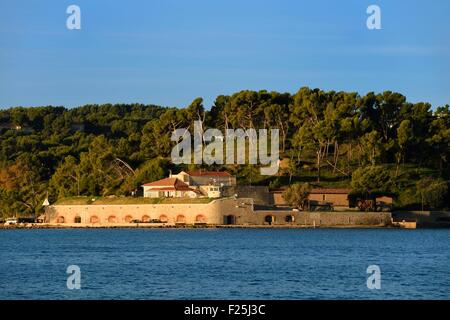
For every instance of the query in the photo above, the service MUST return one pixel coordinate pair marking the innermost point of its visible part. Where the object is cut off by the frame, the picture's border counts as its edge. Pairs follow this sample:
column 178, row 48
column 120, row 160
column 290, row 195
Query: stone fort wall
column 218, row 212
column 124, row 214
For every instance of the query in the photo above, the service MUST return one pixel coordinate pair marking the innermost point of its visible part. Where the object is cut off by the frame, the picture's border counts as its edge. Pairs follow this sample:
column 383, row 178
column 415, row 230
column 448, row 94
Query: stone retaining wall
column 218, row 212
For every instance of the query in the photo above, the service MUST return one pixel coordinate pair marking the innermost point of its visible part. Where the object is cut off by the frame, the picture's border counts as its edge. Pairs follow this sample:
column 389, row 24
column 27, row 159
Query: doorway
column 230, row 219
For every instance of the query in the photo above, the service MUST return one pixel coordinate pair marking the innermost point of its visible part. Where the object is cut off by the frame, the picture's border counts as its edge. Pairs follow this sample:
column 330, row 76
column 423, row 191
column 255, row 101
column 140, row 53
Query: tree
column 371, row 147
column 383, row 110
column 248, row 174
column 66, row 179
column 98, row 169
column 342, row 121
column 420, row 116
column 218, row 116
column 297, row 195
column 307, row 112
column 156, row 134
column 245, row 109
column 150, row 171
column 432, row 192
column 21, row 183
column 404, row 136
column 195, row 111
column 369, row 181
column 439, row 136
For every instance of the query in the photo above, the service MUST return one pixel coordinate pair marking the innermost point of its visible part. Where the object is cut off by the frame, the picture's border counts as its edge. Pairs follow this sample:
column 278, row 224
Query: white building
column 169, row 188
column 204, row 178
column 190, row 184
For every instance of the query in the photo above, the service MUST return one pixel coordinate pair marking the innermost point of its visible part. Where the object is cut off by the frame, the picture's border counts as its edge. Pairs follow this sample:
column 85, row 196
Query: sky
column 169, row 52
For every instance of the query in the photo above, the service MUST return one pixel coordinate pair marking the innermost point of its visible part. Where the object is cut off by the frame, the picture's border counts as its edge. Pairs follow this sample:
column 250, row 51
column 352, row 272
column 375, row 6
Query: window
column 269, row 219
column 94, row 219
column 200, row 219
column 181, row 219
column 290, row 218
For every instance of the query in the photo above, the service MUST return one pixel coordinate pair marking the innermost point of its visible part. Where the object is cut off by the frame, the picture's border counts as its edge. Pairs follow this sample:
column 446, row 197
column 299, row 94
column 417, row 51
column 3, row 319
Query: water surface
column 224, row 263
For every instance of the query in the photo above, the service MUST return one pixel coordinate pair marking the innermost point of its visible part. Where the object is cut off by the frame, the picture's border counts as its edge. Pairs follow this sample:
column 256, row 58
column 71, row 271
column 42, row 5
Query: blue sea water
column 224, row 263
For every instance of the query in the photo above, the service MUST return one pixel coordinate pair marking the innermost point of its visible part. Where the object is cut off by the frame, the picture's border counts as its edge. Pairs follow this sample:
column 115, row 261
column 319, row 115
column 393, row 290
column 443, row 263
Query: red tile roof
column 164, row 189
column 209, row 174
column 169, row 184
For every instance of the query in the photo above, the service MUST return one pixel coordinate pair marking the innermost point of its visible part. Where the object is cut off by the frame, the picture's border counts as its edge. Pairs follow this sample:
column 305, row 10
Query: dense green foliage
column 101, row 150
column 296, row 195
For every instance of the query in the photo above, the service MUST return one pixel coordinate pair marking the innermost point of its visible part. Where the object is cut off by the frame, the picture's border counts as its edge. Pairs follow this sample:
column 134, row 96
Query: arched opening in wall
column 94, row 219
column 181, row 219
column 200, row 219
column 230, row 219
column 269, row 219
column 112, row 219
column 289, row 218
column 60, row 219
column 145, row 218
column 163, row 218
column 77, row 219
column 128, row 219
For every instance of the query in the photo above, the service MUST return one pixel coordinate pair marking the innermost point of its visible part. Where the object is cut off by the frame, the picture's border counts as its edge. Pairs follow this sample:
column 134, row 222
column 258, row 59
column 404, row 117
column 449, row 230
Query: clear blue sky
column 169, row 52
